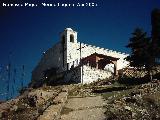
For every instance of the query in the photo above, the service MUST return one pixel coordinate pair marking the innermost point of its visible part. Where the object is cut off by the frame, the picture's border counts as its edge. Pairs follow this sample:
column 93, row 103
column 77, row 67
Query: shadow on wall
column 52, row 78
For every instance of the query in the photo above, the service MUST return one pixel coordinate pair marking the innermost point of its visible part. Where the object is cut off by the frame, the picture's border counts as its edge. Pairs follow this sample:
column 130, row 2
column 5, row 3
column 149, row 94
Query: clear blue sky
column 27, row 32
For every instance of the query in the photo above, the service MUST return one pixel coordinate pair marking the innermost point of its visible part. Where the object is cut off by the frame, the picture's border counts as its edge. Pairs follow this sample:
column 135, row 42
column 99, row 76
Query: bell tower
column 68, row 35
column 68, row 39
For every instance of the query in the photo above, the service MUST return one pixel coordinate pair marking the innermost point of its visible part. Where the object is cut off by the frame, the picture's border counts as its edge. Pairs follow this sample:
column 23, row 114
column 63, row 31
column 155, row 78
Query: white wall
column 54, row 57
column 86, row 74
column 73, row 53
column 93, row 74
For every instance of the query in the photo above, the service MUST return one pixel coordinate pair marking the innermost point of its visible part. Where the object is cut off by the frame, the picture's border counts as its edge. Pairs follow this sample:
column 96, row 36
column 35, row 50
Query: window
column 157, row 60
column 77, row 62
column 63, row 39
column 68, row 66
column 72, row 38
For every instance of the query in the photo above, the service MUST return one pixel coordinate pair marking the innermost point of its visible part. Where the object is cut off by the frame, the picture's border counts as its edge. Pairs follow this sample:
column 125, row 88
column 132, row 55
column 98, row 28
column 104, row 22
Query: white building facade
column 66, row 57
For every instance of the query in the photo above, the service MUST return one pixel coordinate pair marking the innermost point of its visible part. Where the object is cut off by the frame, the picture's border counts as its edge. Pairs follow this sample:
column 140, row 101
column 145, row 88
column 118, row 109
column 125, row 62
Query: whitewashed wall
column 73, row 53
column 86, row 74
column 93, row 74
column 53, row 58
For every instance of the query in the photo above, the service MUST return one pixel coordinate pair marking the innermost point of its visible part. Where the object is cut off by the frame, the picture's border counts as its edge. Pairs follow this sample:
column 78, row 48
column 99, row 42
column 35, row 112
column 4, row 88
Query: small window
column 63, row 39
column 72, row 38
column 68, row 66
column 77, row 61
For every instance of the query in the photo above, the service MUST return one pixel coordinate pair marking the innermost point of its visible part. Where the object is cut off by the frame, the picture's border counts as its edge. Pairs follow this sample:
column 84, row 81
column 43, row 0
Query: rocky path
column 84, row 108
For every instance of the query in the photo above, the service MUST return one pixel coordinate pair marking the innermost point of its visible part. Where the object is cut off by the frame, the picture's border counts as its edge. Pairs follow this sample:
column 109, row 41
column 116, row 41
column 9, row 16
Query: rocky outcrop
column 53, row 111
column 31, row 104
column 139, row 103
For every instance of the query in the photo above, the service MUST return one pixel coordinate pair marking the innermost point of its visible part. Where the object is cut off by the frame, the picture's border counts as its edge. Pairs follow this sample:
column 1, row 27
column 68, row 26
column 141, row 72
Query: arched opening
column 109, row 67
column 63, row 39
column 102, row 62
column 72, row 38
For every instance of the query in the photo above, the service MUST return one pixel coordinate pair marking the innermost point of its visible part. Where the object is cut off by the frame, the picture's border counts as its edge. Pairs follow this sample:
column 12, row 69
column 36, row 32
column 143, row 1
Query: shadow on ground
column 111, row 89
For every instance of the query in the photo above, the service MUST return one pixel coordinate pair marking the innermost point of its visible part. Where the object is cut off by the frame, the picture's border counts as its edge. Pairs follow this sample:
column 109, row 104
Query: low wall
column 93, row 74
column 73, row 75
column 85, row 74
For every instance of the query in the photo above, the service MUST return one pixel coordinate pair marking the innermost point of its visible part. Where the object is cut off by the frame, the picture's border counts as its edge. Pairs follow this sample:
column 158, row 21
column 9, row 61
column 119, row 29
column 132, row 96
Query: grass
column 142, row 104
column 111, row 96
column 113, row 91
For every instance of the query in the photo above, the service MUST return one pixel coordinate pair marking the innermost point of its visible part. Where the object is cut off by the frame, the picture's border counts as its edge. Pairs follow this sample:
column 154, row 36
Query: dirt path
column 87, row 108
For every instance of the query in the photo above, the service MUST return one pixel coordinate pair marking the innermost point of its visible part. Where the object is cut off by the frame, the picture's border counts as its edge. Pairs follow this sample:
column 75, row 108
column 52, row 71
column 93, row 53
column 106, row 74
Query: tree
column 141, row 55
column 155, row 20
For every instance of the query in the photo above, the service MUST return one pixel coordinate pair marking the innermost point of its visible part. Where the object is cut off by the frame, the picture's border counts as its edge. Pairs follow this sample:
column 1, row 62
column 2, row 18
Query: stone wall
column 73, row 75
column 93, row 74
column 86, row 74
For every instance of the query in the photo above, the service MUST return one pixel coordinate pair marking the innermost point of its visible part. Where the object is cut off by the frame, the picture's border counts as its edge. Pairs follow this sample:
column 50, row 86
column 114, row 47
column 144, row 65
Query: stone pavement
column 86, row 108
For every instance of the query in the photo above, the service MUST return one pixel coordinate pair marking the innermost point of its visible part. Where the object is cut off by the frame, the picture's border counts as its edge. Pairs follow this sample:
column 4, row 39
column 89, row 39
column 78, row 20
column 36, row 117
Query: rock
column 129, row 99
column 119, row 102
column 14, row 108
column 3, row 114
column 40, row 96
column 53, row 111
column 127, row 108
column 134, row 93
column 133, row 114
column 65, row 89
column 61, row 98
column 109, row 98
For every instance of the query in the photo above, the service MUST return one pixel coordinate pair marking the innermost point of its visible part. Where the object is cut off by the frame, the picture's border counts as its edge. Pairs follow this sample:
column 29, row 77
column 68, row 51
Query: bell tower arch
column 69, row 36
column 68, row 39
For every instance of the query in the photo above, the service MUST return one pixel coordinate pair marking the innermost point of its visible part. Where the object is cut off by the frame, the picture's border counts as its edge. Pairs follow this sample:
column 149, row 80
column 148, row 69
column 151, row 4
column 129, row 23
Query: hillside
column 105, row 99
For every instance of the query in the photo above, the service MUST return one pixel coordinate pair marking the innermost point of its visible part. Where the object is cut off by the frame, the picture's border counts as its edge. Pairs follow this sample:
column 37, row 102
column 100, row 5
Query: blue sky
column 27, row 32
